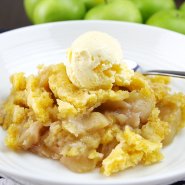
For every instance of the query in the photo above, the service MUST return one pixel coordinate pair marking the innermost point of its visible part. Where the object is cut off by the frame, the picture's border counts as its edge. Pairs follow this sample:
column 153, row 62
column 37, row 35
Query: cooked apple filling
column 111, row 129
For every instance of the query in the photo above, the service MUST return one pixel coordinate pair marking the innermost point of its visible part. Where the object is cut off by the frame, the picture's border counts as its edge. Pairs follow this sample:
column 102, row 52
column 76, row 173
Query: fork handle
column 177, row 74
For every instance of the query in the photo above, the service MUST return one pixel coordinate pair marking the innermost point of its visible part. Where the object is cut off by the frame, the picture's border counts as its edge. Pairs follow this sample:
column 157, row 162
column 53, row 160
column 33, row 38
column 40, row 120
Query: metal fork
column 133, row 65
column 176, row 74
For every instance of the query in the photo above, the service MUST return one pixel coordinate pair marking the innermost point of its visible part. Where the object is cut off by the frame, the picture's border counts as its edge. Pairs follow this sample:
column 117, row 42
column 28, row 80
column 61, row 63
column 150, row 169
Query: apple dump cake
column 92, row 111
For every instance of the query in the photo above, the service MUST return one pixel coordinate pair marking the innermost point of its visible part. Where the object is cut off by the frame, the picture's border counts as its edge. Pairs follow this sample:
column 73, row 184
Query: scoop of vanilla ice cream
column 95, row 61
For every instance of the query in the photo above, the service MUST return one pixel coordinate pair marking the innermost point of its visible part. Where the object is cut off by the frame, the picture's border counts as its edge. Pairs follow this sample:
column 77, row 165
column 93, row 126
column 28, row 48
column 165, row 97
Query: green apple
column 92, row 3
column 58, row 10
column 169, row 19
column 182, row 8
column 29, row 6
column 149, row 7
column 122, row 10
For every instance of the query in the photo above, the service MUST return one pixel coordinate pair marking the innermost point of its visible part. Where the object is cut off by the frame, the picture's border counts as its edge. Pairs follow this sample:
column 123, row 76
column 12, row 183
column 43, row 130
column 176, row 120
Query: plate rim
column 37, row 26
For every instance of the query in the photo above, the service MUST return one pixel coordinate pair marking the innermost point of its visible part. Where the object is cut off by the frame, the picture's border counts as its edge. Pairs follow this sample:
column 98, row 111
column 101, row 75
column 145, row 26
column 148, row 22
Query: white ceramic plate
column 24, row 49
